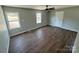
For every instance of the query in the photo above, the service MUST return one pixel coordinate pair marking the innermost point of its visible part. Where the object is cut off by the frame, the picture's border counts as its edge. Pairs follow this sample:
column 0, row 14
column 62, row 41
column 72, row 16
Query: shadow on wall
column 65, row 18
column 56, row 18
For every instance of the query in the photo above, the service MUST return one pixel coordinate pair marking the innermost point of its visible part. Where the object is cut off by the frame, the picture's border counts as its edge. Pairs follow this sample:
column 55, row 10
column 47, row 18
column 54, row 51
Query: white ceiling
column 42, row 7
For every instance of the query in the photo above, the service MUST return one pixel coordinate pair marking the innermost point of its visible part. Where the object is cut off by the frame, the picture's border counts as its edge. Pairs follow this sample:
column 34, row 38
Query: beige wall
column 27, row 19
column 69, row 18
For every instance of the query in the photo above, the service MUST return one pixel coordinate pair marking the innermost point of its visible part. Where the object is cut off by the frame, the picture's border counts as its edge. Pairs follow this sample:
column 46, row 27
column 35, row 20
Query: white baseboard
column 70, row 29
column 67, row 28
column 25, row 31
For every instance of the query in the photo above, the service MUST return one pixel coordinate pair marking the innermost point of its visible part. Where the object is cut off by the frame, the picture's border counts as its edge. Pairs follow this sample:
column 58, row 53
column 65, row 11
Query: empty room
column 39, row 28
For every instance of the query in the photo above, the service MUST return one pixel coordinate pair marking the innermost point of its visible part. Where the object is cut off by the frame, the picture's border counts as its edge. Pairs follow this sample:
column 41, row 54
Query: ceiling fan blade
column 49, row 8
column 46, row 7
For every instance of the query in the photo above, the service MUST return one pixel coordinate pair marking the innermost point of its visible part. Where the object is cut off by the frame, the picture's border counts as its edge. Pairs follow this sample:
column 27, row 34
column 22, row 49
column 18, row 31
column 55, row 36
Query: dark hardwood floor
column 43, row 40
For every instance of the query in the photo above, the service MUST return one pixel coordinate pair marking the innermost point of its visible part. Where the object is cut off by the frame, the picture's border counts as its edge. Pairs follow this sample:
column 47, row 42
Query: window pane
column 13, row 20
column 12, row 16
column 13, row 25
column 38, row 18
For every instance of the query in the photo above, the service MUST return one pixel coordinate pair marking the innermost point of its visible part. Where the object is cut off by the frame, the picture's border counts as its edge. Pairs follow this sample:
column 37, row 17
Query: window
column 13, row 20
column 38, row 18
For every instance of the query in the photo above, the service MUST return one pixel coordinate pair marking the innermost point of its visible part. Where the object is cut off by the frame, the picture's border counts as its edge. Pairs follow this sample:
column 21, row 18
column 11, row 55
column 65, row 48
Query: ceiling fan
column 49, row 9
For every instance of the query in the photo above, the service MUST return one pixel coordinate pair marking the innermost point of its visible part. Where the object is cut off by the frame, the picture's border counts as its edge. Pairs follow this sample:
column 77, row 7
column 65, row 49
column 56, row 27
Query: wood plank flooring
column 43, row 40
